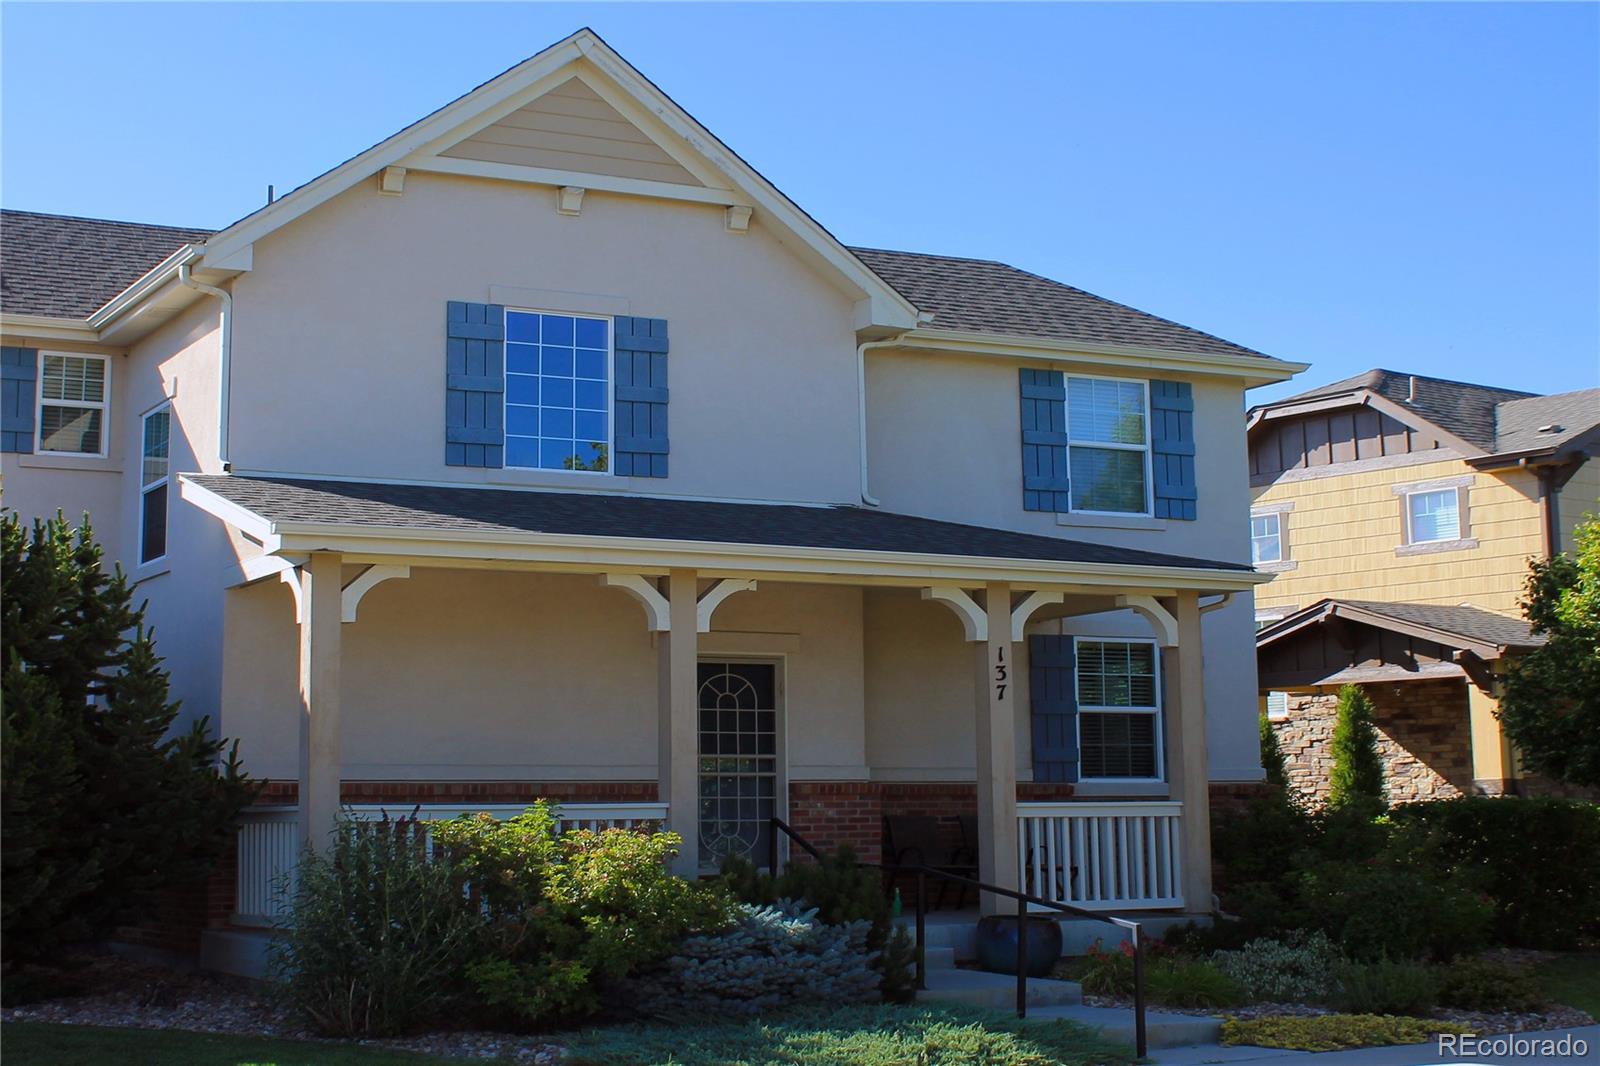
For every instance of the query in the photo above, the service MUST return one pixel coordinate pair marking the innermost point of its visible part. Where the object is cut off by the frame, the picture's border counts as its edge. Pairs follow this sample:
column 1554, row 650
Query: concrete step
column 976, row 988
column 1161, row 1030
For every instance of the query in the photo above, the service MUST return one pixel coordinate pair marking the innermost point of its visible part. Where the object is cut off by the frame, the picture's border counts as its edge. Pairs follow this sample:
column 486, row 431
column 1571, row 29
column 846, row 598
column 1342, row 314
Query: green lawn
column 41, row 1044
column 1574, row 981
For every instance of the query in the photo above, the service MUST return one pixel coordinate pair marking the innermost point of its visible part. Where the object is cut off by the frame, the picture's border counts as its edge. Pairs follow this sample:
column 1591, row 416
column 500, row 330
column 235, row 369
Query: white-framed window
column 1119, row 709
column 558, row 391
column 1108, row 450
column 1277, row 706
column 155, row 468
column 74, row 395
column 1266, row 538
column 1434, row 515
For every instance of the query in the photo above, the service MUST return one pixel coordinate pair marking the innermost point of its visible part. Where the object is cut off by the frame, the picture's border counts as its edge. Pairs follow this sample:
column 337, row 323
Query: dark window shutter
column 19, row 369
column 1044, row 441
column 475, row 385
column 640, row 417
column 1053, row 697
column 1172, row 448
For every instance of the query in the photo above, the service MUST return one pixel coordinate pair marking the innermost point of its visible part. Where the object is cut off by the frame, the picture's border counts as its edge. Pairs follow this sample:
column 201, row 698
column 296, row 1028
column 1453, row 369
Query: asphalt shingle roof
column 1467, row 623
column 582, row 514
column 69, row 267
column 1518, row 423
column 1462, row 408
column 983, row 296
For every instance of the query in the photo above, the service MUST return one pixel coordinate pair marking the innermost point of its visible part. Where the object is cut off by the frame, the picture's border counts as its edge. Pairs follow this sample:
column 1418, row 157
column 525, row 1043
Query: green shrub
column 1395, row 905
column 774, row 956
column 1107, row 973
column 1190, row 983
column 1298, row 969
column 1498, row 841
column 1357, row 775
column 1385, row 987
column 377, row 936
column 1332, row 1032
column 898, row 965
column 1486, row 985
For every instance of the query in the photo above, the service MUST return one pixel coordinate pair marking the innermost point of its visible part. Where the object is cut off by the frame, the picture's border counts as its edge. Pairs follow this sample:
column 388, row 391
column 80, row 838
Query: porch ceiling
column 445, row 526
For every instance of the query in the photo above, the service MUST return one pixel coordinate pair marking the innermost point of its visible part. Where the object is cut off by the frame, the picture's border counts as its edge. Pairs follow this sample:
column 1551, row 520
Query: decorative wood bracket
column 291, row 577
column 712, row 598
column 1025, row 610
column 1477, row 671
column 737, row 219
column 974, row 620
column 657, row 610
column 393, row 181
column 569, row 200
column 1159, row 617
column 364, row 583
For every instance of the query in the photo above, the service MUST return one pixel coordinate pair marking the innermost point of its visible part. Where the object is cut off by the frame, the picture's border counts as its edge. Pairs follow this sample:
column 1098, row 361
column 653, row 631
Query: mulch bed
column 110, row 990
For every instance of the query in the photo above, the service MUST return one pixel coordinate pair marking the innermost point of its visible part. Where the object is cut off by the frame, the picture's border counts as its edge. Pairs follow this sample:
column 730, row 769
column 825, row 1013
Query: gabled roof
column 68, row 267
column 1457, row 407
column 1483, row 632
column 984, row 296
column 1546, row 421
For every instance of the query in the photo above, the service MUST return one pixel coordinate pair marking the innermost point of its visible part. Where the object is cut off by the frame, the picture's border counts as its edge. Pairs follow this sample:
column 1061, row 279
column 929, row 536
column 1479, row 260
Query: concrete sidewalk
column 1410, row 1055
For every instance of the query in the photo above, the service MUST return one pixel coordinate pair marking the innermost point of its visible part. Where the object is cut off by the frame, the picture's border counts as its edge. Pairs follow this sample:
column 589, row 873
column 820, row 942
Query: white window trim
column 1149, row 488
column 104, row 406
column 1411, row 537
column 1277, row 535
column 1161, row 754
column 611, row 391
column 165, row 479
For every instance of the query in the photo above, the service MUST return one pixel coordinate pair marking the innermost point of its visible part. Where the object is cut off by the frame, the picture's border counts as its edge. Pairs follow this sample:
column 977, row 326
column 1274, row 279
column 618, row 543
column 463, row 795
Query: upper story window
column 154, row 470
column 1108, row 433
column 1119, row 701
column 73, row 390
column 1266, row 538
column 558, row 409
column 1433, row 516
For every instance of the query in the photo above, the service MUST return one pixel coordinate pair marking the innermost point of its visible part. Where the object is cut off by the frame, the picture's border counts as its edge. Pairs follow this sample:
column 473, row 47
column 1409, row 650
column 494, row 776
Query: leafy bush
column 567, row 913
column 1191, row 983
column 1332, row 1032
column 1396, row 905
column 1297, row 969
column 1498, row 841
column 774, row 956
column 1107, row 973
column 1385, row 987
column 935, row 1035
column 378, row 935
column 1356, row 779
column 1486, row 985
column 103, row 806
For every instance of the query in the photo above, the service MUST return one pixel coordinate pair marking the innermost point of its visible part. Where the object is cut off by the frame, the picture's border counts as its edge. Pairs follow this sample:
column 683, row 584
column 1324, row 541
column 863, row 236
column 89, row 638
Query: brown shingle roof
column 983, row 296
column 1448, row 624
column 69, row 267
column 1458, row 407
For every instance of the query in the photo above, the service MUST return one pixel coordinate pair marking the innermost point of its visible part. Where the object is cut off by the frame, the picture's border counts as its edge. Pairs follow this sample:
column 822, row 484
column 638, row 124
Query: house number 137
column 1000, row 672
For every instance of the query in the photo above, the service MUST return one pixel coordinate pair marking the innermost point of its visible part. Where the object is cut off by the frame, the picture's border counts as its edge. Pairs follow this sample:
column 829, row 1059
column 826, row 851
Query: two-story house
column 1399, row 513
column 546, row 449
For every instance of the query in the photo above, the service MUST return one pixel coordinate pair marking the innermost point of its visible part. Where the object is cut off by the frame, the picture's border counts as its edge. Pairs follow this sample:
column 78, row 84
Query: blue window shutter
column 1172, row 449
column 640, row 417
column 475, row 384
column 1053, row 696
column 19, row 369
column 1044, row 441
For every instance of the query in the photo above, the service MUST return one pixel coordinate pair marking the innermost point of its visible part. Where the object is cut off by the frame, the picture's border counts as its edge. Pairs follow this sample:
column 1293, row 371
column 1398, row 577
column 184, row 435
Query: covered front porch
column 706, row 667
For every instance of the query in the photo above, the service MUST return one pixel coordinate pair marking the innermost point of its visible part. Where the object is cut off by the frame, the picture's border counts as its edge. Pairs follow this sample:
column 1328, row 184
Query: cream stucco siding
column 762, row 365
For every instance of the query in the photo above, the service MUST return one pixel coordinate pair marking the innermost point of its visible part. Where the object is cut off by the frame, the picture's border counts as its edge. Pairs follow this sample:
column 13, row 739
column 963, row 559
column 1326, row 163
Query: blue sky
column 1351, row 185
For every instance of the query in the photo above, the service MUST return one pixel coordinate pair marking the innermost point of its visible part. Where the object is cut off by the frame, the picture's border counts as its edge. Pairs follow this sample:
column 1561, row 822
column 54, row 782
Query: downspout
column 224, row 356
column 861, row 396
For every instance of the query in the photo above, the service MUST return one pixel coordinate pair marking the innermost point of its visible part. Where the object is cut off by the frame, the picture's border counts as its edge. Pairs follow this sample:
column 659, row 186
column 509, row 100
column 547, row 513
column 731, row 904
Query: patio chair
column 915, row 840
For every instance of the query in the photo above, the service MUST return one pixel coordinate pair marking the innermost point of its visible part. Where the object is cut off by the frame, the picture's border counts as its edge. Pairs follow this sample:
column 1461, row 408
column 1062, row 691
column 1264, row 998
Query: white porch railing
column 269, row 842
column 1102, row 856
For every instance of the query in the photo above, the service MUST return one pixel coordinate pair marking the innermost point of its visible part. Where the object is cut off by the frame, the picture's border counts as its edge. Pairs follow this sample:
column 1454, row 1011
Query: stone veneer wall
column 1424, row 740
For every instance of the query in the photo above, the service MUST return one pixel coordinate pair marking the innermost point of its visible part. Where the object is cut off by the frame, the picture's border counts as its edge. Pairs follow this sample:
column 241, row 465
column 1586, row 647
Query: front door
column 738, row 760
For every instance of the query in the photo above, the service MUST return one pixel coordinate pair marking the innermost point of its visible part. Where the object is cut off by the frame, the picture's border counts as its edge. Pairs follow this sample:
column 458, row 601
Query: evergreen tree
column 1272, row 756
column 103, row 806
column 1357, row 777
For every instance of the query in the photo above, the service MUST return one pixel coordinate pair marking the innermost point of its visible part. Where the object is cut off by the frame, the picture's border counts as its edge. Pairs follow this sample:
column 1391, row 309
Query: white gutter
column 861, row 397
column 224, row 355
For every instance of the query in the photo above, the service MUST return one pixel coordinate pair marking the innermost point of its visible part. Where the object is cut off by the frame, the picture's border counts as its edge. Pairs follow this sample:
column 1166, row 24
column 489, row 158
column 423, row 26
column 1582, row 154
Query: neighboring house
column 545, row 449
column 1399, row 513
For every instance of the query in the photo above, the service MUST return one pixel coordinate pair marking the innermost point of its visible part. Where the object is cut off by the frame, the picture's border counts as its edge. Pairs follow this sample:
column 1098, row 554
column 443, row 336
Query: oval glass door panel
column 738, row 760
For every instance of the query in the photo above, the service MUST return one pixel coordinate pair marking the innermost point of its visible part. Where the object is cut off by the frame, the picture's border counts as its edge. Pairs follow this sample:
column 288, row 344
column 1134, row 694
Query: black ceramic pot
column 997, row 944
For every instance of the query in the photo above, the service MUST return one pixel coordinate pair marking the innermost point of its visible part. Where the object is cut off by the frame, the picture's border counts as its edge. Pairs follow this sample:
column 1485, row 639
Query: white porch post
column 677, row 663
column 1188, row 766
column 997, row 752
column 320, row 625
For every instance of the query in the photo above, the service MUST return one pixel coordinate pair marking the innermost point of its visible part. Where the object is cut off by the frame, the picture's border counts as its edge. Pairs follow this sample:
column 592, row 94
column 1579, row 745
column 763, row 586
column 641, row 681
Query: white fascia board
column 152, row 282
column 659, row 190
column 241, row 518
column 1251, row 370
column 48, row 327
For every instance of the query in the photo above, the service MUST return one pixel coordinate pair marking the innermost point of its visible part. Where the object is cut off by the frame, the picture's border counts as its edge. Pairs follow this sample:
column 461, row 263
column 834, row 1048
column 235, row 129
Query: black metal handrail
column 1023, row 900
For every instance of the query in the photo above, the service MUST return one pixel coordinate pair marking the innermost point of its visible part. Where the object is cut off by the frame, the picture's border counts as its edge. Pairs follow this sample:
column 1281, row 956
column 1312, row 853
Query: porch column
column 1492, row 772
column 1188, row 765
column 320, row 624
column 678, row 737
column 997, row 752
